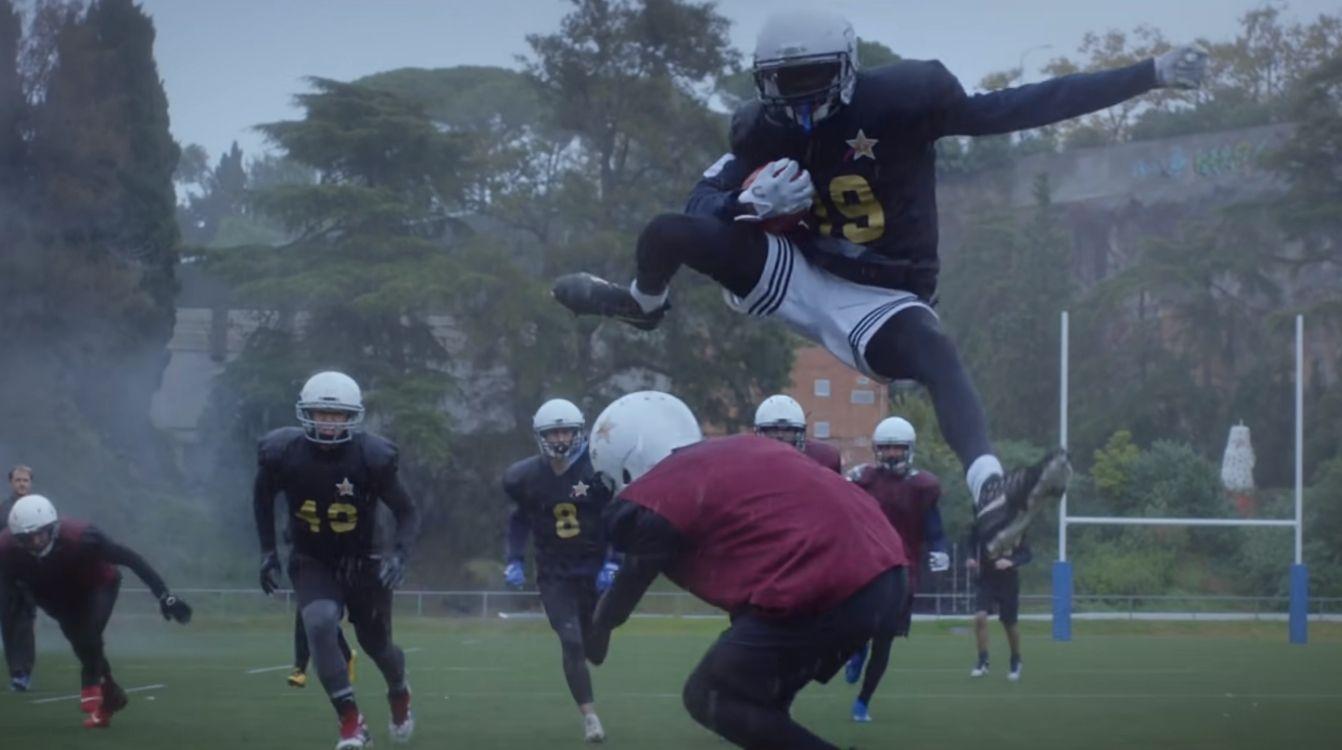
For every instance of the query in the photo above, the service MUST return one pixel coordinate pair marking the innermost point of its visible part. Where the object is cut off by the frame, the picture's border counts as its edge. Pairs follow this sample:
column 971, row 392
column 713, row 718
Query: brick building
column 842, row 406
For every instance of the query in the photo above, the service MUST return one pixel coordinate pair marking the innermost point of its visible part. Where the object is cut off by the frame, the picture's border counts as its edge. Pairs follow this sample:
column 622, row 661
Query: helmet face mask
column 39, row 542
column 784, row 433
column 806, row 91
column 895, row 457
column 330, row 408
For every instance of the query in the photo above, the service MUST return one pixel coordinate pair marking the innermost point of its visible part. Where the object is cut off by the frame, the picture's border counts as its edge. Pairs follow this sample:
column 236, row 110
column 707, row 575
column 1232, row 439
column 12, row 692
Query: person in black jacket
column 998, row 592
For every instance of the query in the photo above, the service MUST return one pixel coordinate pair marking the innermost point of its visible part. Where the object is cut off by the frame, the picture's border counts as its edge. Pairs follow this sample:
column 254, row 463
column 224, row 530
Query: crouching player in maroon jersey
column 800, row 558
column 908, row 498
column 69, row 568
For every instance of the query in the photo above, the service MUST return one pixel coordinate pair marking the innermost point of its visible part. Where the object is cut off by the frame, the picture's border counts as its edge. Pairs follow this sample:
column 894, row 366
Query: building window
column 822, row 387
column 862, row 396
column 863, row 380
column 822, row 429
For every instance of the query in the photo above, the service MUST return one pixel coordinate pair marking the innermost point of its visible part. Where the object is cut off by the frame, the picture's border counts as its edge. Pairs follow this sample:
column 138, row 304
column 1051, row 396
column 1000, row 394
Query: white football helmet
column 638, row 430
column 559, row 414
column 330, row 391
column 780, row 417
column 893, row 433
column 806, row 64
column 34, row 524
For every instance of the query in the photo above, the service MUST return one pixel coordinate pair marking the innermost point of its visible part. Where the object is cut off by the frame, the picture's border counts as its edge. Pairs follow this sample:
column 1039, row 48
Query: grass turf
column 495, row 684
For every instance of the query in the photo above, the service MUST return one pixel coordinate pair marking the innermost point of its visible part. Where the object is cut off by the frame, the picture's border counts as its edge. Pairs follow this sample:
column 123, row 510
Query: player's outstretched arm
column 116, row 554
column 1039, row 104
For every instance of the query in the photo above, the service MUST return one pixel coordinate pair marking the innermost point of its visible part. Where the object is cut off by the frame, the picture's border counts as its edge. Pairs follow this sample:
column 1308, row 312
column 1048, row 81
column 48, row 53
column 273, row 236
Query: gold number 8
column 566, row 521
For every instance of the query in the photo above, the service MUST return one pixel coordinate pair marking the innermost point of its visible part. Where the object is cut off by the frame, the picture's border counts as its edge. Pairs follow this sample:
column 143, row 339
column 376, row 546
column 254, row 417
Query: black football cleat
column 585, row 294
column 1008, row 504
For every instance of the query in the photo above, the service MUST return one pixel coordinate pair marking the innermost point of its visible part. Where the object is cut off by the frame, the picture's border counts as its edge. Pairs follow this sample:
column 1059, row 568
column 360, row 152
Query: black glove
column 392, row 572
column 270, row 573
column 174, row 608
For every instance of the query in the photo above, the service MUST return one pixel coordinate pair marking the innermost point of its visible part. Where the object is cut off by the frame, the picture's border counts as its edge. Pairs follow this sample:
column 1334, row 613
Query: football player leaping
column 332, row 476
column 856, row 148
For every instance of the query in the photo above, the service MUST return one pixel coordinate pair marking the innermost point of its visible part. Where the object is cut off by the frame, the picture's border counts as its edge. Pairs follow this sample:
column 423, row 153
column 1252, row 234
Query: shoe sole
column 1052, row 483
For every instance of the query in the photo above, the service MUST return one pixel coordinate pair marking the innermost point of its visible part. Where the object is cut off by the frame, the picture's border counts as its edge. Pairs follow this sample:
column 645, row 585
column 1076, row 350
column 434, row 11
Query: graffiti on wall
column 1204, row 162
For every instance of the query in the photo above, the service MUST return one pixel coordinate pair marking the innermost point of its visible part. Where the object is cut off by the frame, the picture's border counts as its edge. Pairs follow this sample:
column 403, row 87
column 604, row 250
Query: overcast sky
column 230, row 65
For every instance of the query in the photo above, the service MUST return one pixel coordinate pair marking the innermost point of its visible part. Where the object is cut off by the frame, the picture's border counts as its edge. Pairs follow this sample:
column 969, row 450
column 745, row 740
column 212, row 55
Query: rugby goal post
column 1297, row 620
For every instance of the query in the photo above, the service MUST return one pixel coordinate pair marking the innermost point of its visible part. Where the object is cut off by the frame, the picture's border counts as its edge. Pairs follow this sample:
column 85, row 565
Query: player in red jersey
column 800, row 559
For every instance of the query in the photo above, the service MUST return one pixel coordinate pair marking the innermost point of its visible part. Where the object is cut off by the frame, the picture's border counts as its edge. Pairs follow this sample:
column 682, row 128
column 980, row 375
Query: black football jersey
column 873, row 161
column 331, row 493
column 562, row 512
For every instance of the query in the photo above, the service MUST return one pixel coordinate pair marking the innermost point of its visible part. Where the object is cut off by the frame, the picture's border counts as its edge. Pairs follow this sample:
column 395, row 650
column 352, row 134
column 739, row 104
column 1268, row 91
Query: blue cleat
column 20, row 682
column 853, row 672
column 860, row 714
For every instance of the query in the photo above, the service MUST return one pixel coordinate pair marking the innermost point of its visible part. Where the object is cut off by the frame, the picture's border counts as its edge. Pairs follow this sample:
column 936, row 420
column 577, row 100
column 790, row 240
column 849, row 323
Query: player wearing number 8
column 332, row 476
column 857, row 148
column 558, row 501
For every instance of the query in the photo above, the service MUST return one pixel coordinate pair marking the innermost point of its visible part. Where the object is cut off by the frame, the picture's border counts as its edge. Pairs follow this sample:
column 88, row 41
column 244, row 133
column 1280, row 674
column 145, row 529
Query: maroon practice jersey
column 766, row 528
column 905, row 501
column 824, row 454
column 81, row 560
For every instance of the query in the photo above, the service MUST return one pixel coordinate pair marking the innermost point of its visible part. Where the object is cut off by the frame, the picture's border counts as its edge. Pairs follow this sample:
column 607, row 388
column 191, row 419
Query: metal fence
column 953, row 605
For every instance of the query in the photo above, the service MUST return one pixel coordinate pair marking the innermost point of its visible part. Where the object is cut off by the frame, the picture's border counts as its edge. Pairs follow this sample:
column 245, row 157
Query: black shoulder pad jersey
column 563, row 511
column 331, row 492
column 873, row 162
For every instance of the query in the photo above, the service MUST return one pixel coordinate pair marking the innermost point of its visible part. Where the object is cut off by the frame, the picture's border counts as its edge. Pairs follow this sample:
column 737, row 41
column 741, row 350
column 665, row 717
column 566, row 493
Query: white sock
column 648, row 302
column 980, row 471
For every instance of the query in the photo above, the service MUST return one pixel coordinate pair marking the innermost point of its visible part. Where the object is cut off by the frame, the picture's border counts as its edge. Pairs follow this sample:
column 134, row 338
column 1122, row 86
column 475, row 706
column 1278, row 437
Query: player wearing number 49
column 332, row 476
column 853, row 151
column 558, row 502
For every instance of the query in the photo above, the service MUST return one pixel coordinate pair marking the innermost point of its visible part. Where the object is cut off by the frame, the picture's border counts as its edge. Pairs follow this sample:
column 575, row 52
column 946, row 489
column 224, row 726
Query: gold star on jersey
column 863, row 146
column 345, row 488
column 579, row 489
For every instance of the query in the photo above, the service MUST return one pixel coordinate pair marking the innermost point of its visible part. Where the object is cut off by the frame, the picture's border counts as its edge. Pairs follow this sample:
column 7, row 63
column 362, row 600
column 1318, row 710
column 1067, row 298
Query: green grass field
column 498, row 684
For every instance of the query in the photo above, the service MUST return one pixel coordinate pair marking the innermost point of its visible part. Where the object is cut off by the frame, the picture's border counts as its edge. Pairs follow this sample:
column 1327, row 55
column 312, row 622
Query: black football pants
column 18, row 617
column 83, row 628
column 302, row 654
column 569, row 603
column 744, row 686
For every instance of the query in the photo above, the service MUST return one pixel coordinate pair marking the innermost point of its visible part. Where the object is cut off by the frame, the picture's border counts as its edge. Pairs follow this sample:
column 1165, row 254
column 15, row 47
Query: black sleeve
column 649, row 543
column 403, row 508
column 264, row 490
column 1037, row 104
column 717, row 191
column 383, row 459
column 114, row 553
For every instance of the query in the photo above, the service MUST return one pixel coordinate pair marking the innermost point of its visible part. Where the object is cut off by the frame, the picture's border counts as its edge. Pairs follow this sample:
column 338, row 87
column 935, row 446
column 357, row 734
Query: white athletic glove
column 782, row 188
column 1182, row 67
column 938, row 562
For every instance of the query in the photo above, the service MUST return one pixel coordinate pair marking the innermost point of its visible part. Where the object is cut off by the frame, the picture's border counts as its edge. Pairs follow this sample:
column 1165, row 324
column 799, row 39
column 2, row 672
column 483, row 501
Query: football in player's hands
column 779, row 194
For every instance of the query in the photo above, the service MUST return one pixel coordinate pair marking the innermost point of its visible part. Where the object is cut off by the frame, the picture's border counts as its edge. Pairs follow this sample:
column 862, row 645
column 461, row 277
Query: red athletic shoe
column 402, row 725
column 353, row 732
